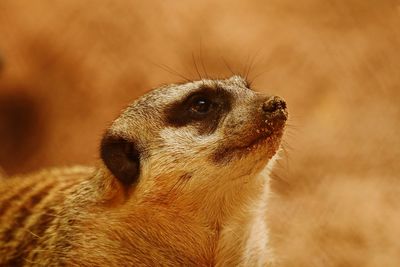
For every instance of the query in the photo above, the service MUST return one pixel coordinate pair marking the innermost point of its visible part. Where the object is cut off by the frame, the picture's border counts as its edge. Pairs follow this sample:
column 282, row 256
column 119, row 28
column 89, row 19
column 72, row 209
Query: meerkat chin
column 179, row 184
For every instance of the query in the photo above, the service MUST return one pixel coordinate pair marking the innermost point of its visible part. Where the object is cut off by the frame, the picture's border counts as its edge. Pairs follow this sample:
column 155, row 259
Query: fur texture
column 181, row 183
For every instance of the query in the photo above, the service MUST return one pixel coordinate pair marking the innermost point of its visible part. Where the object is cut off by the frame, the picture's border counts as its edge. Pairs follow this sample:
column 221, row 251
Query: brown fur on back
column 46, row 214
column 31, row 210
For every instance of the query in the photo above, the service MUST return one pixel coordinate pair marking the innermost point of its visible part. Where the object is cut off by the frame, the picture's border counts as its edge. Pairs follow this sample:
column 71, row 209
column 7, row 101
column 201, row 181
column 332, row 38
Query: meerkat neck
column 244, row 235
column 237, row 235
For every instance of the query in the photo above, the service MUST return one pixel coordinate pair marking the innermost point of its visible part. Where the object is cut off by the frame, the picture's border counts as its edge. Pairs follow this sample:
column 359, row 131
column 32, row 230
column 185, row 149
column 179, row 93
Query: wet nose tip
column 273, row 104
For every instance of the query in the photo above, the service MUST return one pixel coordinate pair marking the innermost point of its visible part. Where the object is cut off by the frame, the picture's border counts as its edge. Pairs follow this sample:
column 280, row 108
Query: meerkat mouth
column 266, row 137
column 260, row 139
column 271, row 132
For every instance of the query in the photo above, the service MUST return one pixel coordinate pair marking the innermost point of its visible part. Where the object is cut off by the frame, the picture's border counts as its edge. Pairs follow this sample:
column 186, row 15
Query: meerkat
column 182, row 180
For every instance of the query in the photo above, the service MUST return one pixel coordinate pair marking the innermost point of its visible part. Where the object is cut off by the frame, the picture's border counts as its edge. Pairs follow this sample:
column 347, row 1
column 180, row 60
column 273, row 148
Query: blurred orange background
column 68, row 67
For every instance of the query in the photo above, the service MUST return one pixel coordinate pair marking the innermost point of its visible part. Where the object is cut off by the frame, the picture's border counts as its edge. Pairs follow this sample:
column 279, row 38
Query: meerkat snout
column 274, row 103
column 275, row 112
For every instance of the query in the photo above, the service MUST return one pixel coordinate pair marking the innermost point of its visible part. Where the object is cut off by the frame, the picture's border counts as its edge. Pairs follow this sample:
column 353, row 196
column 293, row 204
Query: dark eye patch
column 203, row 108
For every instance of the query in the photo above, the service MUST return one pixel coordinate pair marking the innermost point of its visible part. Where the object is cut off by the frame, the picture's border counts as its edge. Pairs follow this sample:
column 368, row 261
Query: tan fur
column 187, row 209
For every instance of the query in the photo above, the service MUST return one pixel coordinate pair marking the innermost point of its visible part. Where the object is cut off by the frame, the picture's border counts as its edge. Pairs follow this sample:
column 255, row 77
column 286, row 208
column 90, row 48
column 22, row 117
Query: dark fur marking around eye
column 121, row 157
column 179, row 114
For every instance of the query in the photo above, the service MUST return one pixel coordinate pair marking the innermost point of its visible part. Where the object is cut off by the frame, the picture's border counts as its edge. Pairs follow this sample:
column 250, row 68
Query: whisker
column 172, row 71
column 249, row 68
column 252, row 63
column 202, row 61
column 286, row 153
column 242, row 73
column 196, row 67
column 227, row 65
column 252, row 79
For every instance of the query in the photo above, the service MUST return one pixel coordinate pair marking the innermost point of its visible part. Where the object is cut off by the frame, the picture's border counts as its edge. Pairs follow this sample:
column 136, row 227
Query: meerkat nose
column 273, row 104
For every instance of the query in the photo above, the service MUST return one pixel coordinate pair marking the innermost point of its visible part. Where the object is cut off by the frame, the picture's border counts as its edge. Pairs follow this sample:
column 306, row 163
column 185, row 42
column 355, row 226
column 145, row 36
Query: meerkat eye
column 203, row 108
column 200, row 105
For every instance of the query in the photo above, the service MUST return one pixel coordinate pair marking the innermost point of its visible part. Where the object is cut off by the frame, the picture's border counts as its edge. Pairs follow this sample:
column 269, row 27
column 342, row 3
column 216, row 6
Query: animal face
column 204, row 134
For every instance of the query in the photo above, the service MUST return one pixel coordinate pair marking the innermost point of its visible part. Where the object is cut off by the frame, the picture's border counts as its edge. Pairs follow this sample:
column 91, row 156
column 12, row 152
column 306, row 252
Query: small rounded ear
column 121, row 157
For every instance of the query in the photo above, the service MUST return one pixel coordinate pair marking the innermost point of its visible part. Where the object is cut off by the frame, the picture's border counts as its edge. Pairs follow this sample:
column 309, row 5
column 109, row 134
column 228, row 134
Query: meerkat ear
column 121, row 157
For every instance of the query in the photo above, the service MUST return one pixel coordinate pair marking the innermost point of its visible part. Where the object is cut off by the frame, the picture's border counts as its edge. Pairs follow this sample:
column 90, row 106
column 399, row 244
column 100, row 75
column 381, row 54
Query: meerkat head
column 201, row 139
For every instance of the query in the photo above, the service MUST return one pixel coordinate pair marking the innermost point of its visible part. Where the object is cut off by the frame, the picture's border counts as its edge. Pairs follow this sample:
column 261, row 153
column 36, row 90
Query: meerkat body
column 183, row 181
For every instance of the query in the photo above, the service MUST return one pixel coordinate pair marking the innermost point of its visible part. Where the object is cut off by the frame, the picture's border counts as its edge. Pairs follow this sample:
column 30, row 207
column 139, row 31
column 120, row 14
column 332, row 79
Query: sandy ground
column 68, row 67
